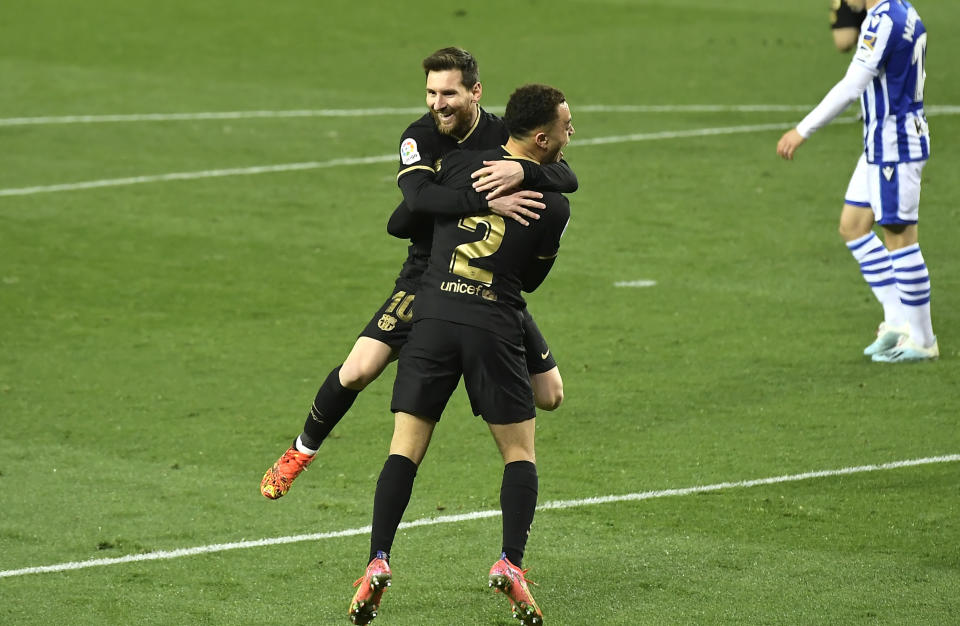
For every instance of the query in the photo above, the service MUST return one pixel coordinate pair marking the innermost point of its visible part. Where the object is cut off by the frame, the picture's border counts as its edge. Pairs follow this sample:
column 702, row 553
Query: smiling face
column 452, row 105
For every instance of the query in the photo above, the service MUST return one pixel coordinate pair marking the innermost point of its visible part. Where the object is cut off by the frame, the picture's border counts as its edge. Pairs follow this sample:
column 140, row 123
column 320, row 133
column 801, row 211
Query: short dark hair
column 454, row 59
column 531, row 107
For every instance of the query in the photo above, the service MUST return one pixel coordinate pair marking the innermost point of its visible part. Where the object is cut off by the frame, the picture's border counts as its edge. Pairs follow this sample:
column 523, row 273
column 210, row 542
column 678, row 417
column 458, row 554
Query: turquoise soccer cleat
column 887, row 338
column 906, row 351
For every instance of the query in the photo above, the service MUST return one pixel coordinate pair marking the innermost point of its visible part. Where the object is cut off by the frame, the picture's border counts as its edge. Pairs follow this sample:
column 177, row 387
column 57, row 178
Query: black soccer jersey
column 422, row 149
column 422, row 145
column 479, row 264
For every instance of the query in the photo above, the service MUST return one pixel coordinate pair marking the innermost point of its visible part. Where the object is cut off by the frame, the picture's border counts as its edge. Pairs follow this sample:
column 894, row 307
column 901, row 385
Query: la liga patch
column 409, row 154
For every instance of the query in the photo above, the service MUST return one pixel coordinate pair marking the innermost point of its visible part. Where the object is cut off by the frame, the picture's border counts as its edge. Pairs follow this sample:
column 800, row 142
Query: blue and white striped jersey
column 892, row 47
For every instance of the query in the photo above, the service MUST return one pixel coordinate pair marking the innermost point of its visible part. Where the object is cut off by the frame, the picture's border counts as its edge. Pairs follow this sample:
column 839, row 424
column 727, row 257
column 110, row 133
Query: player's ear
column 541, row 139
column 477, row 91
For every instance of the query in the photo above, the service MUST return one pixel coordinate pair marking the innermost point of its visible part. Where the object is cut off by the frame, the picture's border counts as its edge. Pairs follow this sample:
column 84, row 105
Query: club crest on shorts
column 387, row 322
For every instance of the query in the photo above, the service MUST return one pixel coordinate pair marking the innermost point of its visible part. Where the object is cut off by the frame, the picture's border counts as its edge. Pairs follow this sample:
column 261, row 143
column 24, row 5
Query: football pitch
column 193, row 201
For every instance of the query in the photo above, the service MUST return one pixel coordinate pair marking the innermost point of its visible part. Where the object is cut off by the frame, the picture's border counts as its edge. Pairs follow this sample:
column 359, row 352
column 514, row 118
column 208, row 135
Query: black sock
column 390, row 501
column 518, row 502
column 332, row 402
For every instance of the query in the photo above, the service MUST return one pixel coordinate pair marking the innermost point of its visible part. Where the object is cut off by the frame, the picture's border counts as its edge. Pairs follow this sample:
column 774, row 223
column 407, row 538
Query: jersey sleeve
column 401, row 223
column 874, row 46
column 549, row 177
column 419, row 150
column 837, row 99
column 557, row 216
column 873, row 49
column 427, row 192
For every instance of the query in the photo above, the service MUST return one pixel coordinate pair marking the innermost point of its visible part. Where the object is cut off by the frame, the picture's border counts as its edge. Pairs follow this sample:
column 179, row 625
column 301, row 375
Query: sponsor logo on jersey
column 387, row 322
column 467, row 289
column 409, row 154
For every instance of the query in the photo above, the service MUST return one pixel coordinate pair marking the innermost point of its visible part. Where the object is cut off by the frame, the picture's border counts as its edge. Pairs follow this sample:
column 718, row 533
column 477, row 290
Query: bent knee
column 547, row 389
column 549, row 399
column 849, row 232
column 855, row 222
column 357, row 374
column 365, row 363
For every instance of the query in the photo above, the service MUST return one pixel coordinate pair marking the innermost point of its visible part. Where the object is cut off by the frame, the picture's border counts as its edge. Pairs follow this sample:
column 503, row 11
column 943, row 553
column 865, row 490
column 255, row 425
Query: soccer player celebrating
column 455, row 121
column 468, row 323
column 887, row 74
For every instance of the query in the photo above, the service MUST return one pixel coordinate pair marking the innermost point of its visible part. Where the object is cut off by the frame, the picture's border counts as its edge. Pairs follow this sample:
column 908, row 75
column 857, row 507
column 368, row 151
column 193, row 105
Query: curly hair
column 531, row 107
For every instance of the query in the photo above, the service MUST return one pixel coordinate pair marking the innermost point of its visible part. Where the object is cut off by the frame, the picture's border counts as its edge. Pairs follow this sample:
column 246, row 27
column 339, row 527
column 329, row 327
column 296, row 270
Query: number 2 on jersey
column 490, row 243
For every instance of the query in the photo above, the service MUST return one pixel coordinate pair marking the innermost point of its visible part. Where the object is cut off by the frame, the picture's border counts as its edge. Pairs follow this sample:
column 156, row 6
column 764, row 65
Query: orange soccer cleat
column 370, row 588
column 509, row 579
column 278, row 479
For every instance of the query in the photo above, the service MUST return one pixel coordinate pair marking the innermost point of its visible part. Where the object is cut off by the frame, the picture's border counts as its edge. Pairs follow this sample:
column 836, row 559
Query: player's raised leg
column 364, row 364
column 541, row 366
column 547, row 389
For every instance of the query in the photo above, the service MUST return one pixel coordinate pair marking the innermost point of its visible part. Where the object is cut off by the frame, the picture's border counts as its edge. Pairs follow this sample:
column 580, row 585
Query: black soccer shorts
column 392, row 322
column 539, row 357
column 439, row 352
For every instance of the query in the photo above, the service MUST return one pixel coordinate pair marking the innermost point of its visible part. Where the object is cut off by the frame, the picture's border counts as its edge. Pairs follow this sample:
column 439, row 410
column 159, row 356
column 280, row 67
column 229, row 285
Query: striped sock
column 877, row 270
column 913, row 283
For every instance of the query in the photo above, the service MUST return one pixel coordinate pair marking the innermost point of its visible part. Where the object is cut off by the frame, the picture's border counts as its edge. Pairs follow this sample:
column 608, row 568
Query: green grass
column 160, row 343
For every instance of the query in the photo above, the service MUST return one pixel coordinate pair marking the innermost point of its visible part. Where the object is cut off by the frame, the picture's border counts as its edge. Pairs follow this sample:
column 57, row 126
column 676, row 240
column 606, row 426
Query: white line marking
column 675, row 134
column 947, row 109
column 238, row 171
column 691, row 108
column 214, row 115
column 635, row 283
column 387, row 111
column 287, row 167
column 451, row 519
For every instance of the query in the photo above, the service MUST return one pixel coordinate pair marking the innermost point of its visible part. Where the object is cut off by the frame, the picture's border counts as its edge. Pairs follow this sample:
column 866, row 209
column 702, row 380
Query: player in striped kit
column 887, row 74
